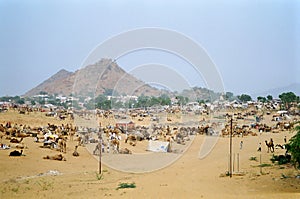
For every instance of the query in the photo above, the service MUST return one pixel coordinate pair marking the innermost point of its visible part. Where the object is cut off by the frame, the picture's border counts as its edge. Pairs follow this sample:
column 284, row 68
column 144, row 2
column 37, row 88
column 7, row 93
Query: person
column 284, row 139
column 108, row 146
column 102, row 147
column 241, row 145
column 259, row 147
column 36, row 139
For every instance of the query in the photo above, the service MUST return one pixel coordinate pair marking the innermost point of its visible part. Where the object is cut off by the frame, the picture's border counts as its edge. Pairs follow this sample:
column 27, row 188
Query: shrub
column 126, row 185
column 294, row 147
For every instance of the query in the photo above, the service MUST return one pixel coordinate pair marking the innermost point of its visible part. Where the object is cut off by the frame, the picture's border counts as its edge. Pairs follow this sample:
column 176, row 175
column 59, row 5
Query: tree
column 182, row 100
column 294, row 147
column 5, row 99
column 103, row 102
column 164, row 100
column 43, row 93
column 19, row 100
column 270, row 97
column 229, row 96
column 288, row 98
column 109, row 92
column 32, row 102
column 143, row 101
column 244, row 98
column 90, row 105
column 261, row 99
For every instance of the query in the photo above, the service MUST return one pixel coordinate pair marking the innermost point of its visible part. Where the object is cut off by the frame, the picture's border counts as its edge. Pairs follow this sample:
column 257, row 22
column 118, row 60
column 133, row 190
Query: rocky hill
column 93, row 80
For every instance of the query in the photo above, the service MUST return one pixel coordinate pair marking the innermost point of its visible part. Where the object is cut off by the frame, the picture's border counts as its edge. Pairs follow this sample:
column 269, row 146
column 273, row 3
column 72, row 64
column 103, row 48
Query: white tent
column 282, row 112
column 158, row 146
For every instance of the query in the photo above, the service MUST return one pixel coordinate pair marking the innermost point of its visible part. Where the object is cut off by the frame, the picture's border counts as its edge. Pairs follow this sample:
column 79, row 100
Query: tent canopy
column 158, row 146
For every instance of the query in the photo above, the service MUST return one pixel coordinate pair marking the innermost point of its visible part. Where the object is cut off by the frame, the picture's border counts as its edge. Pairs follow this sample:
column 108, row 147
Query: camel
column 58, row 157
column 132, row 139
column 62, row 143
column 270, row 145
column 116, row 144
column 71, row 134
column 20, row 146
column 279, row 146
column 16, row 153
column 15, row 140
column 75, row 153
column 125, row 151
column 1, row 135
column 22, row 135
column 2, row 128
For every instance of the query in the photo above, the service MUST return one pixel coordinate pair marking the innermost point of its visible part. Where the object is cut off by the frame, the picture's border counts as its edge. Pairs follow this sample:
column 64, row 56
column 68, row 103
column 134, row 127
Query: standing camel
column 116, row 145
column 62, row 144
column 270, row 145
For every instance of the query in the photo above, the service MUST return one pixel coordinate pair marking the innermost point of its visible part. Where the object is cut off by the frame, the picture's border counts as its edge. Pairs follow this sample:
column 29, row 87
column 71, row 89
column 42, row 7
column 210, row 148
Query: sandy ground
column 31, row 176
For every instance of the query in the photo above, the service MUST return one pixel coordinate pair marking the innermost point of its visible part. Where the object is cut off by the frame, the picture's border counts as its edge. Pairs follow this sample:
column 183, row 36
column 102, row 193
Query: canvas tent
column 125, row 124
column 158, row 146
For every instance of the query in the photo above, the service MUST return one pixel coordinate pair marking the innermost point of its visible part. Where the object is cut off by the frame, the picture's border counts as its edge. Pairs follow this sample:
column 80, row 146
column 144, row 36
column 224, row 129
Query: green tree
column 287, row 99
column 143, row 101
column 41, row 101
column 294, row 147
column 103, row 102
column 109, row 92
column 90, row 105
column 244, row 98
column 43, row 93
column 182, row 100
column 261, row 99
column 229, row 96
column 5, row 98
column 165, row 100
column 18, row 100
column 270, row 97
column 32, row 102
column 116, row 103
column 75, row 104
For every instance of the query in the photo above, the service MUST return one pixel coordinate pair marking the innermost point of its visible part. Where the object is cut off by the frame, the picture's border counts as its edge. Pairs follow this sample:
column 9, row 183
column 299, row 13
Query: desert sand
column 31, row 176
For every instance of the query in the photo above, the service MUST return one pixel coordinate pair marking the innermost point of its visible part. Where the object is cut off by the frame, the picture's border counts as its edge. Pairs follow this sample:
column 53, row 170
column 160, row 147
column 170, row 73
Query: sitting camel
column 125, row 151
column 270, row 145
column 16, row 153
column 20, row 146
column 132, row 139
column 58, row 157
column 279, row 146
column 15, row 140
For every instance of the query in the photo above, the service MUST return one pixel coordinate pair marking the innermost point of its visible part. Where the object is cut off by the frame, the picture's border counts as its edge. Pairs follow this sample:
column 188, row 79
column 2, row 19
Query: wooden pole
column 230, row 149
column 100, row 154
column 238, row 162
column 260, row 164
column 233, row 162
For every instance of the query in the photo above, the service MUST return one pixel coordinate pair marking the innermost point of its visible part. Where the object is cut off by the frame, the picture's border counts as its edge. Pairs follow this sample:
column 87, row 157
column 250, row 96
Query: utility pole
column 230, row 149
column 100, row 153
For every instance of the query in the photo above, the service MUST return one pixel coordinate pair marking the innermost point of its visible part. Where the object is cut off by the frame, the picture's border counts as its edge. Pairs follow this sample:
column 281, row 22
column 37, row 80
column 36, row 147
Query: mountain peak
column 94, row 79
column 61, row 74
column 62, row 71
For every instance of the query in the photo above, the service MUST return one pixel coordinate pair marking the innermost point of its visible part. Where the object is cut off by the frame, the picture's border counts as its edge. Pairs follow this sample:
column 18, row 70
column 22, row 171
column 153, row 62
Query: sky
column 255, row 45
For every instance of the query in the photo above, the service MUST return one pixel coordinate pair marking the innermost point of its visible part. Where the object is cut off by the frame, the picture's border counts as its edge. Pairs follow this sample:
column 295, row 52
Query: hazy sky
column 254, row 44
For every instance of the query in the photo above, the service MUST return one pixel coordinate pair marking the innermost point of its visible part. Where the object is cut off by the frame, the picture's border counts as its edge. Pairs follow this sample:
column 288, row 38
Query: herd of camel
column 16, row 133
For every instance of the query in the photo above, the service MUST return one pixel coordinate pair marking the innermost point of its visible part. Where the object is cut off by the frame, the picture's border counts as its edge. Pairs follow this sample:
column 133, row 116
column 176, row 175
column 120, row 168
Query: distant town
column 285, row 101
